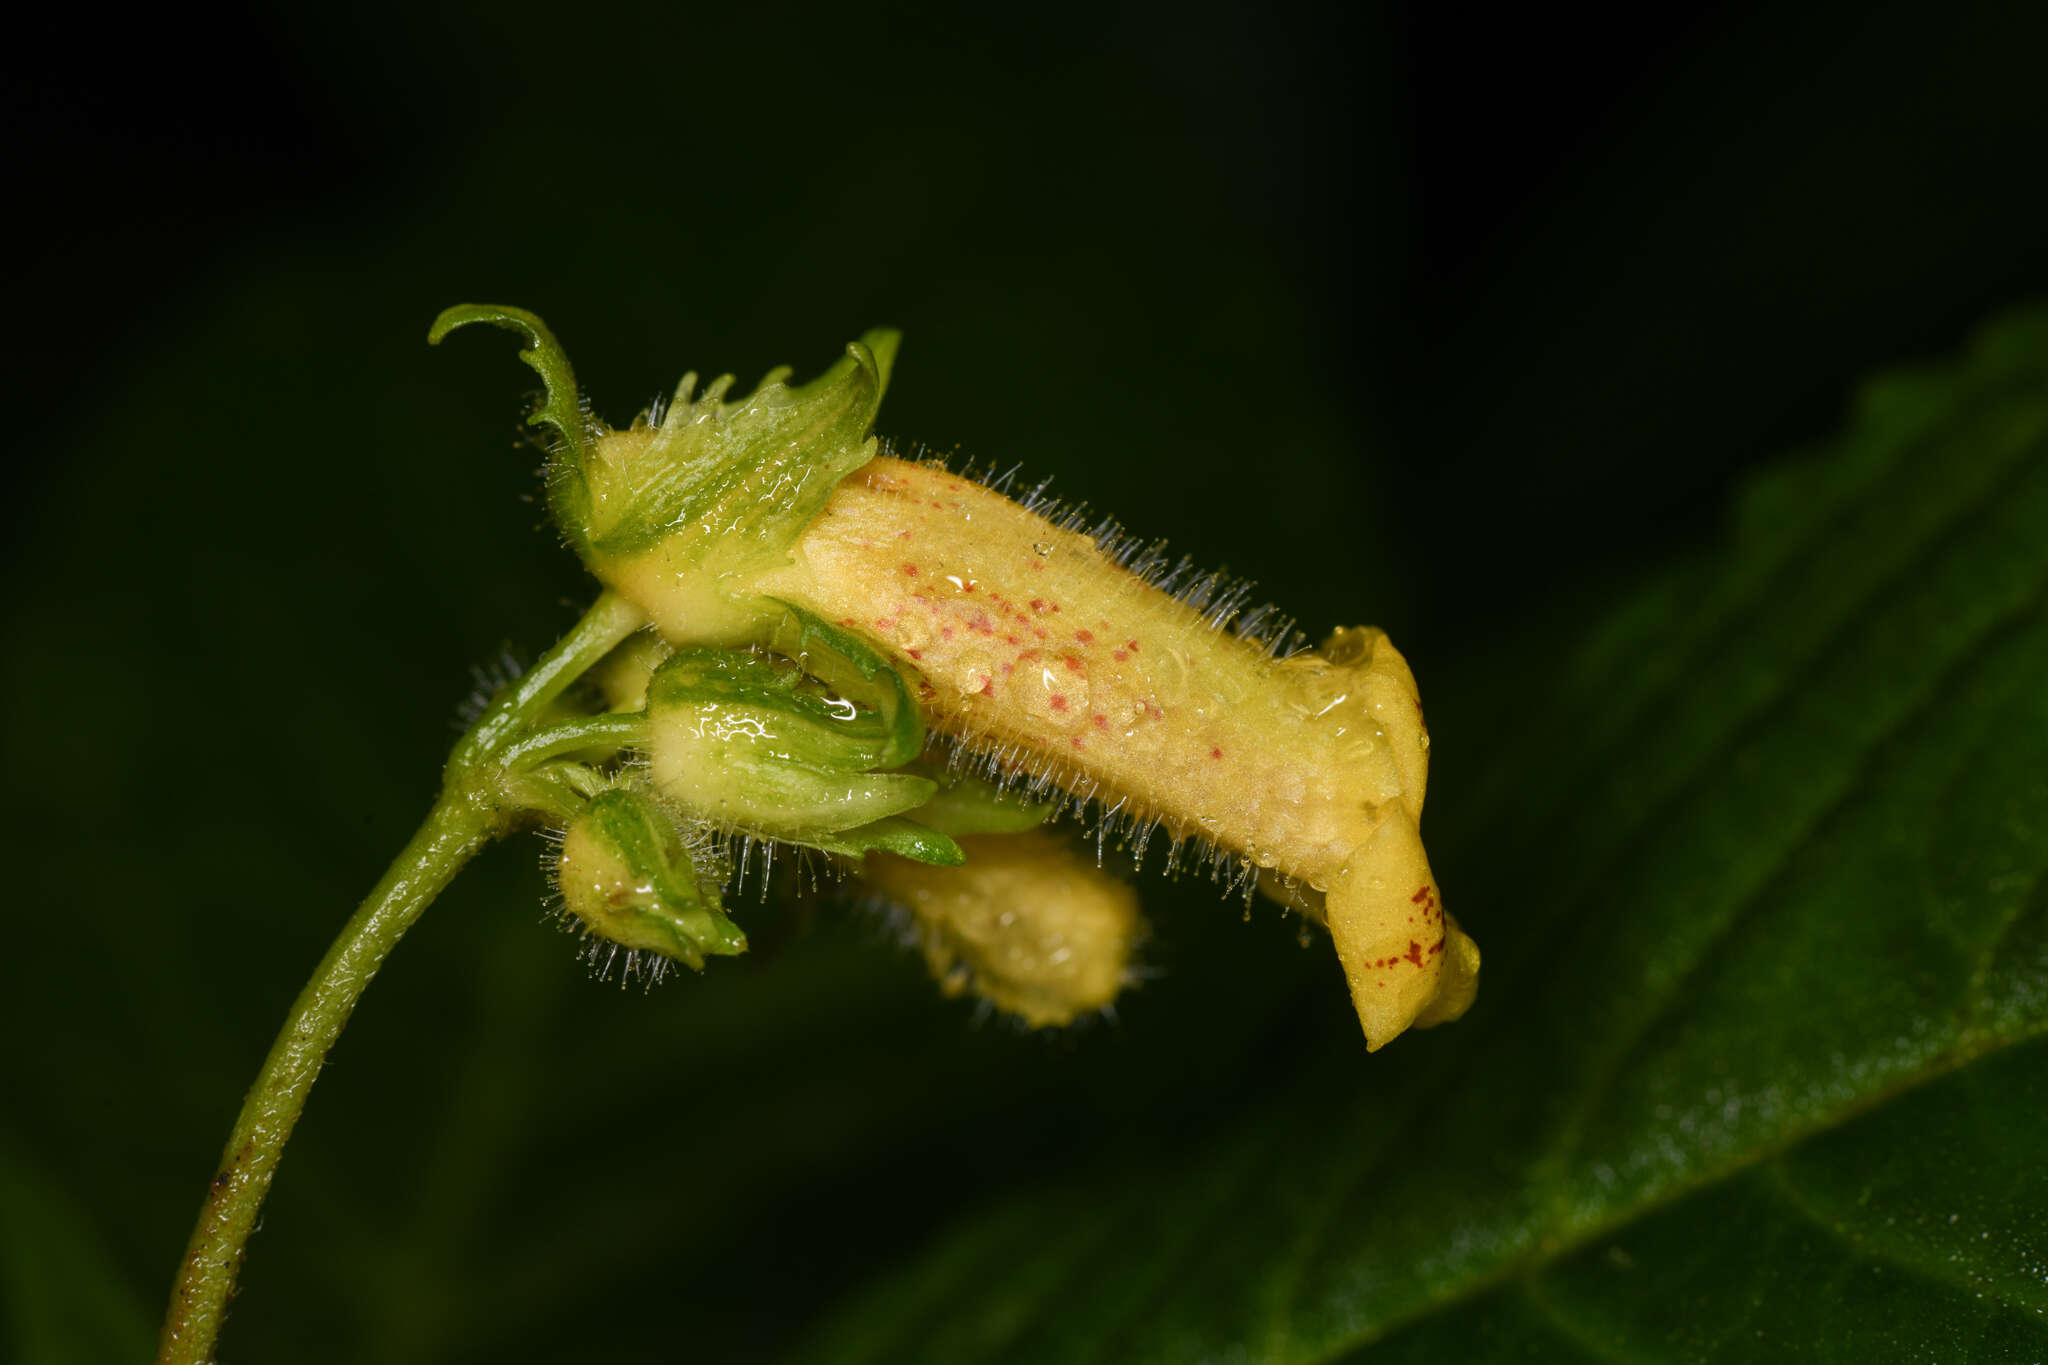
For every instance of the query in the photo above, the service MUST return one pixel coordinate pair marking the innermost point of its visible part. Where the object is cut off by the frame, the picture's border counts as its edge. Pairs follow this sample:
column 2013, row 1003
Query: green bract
column 965, row 805
column 705, row 497
column 745, row 473
column 708, row 495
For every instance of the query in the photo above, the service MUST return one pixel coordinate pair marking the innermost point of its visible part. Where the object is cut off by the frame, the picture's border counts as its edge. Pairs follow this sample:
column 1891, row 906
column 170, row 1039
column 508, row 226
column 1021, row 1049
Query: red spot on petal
column 1076, row 742
column 1038, row 604
column 988, row 688
column 1215, row 753
column 915, row 653
column 1414, row 953
column 1059, row 703
column 1086, row 637
column 1073, row 664
column 1420, row 896
column 910, row 570
column 1131, row 645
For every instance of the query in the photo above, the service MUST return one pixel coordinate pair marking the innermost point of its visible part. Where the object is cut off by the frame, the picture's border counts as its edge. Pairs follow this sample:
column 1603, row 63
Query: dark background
column 1452, row 321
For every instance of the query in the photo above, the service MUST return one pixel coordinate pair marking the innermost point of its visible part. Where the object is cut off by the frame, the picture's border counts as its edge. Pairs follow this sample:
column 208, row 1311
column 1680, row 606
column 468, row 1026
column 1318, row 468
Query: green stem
column 478, row 802
column 453, row 832
column 574, row 736
column 610, row 620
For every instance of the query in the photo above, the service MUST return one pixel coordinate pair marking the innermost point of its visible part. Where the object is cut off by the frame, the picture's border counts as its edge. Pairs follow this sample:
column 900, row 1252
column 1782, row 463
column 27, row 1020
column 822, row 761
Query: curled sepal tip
column 561, row 406
column 626, row 875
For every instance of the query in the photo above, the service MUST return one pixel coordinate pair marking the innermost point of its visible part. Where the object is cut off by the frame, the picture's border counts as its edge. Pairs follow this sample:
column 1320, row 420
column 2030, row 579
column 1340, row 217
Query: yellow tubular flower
column 1028, row 643
column 1034, row 643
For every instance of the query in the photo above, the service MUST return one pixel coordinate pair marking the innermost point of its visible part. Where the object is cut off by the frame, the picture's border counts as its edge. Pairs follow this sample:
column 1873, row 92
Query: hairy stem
column 480, row 799
column 609, row 732
column 452, row 833
column 609, row 620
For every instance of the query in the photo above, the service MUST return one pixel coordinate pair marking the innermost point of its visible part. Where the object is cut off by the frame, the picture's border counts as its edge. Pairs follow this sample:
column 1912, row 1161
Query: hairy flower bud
column 625, row 874
column 750, row 742
column 1026, row 924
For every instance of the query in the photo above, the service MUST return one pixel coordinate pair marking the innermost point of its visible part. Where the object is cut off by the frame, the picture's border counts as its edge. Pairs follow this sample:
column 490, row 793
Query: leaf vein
column 1966, row 654
column 1778, row 1182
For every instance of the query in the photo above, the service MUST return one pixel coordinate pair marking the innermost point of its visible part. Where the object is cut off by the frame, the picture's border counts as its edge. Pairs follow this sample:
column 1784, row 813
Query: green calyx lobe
column 625, row 873
column 746, row 473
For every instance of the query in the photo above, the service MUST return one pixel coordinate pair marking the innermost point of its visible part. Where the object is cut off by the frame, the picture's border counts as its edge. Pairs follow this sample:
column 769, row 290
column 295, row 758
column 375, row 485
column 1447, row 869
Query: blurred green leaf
column 65, row 1302
column 1757, row 1071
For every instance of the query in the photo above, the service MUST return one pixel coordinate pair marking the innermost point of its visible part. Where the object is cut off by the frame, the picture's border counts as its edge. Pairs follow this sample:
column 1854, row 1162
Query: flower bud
column 626, row 875
column 1026, row 924
column 749, row 742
